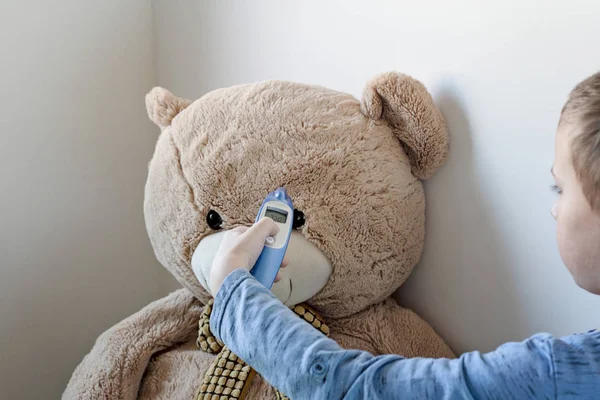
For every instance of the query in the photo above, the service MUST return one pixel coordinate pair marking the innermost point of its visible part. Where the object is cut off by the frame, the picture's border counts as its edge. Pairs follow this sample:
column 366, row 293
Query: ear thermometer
column 277, row 206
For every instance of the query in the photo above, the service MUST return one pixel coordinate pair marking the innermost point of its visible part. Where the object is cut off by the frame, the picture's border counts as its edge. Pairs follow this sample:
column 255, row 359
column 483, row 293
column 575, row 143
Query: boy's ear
column 406, row 105
column 163, row 106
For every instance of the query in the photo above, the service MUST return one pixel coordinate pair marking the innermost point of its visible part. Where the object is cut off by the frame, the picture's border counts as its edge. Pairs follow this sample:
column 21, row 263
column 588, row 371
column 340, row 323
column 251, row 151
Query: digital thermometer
column 277, row 206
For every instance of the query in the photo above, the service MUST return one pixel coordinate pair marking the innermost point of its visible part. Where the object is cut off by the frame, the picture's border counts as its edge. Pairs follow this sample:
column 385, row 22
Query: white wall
column 491, row 271
column 74, row 254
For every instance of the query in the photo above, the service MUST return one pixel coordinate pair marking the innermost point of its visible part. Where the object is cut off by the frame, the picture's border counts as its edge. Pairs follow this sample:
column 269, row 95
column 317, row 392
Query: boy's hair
column 583, row 109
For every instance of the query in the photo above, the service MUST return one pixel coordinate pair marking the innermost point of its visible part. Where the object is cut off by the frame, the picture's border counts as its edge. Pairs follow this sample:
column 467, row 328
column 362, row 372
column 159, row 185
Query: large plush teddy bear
column 353, row 170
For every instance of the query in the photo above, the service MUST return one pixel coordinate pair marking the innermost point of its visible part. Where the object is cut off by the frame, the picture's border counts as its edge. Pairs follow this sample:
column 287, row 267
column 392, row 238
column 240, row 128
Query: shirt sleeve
column 304, row 364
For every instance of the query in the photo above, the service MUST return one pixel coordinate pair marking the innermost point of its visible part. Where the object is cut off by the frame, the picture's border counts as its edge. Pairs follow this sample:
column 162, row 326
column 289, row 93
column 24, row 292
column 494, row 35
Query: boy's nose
column 554, row 210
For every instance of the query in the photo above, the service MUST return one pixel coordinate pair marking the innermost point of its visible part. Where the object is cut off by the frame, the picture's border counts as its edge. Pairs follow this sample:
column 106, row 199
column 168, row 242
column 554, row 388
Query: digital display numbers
column 276, row 215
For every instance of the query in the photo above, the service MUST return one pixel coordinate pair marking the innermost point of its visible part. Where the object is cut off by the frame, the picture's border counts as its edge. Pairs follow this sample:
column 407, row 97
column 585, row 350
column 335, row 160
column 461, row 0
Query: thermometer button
column 270, row 240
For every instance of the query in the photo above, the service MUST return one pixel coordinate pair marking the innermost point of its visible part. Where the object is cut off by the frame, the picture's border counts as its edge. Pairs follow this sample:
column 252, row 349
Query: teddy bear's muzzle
column 306, row 274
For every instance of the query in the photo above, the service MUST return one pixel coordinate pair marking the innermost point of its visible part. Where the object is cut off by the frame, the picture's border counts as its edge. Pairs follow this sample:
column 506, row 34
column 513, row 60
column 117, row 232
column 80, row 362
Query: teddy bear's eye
column 214, row 220
column 298, row 219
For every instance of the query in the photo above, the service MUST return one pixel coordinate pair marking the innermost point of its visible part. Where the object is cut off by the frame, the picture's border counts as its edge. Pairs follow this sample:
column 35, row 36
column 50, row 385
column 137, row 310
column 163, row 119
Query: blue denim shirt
column 304, row 364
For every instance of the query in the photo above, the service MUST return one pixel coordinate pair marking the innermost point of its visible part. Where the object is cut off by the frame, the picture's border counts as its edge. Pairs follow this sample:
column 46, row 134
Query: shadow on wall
column 462, row 282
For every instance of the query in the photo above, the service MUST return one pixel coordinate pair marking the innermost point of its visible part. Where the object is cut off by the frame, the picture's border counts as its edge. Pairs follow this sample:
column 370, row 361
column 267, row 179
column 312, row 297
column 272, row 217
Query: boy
column 542, row 367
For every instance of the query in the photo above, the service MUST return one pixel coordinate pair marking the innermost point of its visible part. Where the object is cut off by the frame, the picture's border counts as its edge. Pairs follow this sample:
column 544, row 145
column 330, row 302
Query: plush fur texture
column 121, row 355
column 352, row 167
column 163, row 106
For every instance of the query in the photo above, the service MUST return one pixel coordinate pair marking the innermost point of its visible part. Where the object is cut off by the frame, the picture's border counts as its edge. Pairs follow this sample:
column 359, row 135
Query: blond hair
column 583, row 109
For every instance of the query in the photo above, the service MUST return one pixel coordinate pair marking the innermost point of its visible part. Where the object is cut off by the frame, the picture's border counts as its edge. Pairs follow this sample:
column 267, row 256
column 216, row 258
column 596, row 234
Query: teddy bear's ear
column 163, row 106
column 406, row 105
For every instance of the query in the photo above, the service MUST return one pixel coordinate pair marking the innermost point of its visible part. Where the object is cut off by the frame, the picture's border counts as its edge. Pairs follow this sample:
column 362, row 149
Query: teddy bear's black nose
column 214, row 220
column 298, row 219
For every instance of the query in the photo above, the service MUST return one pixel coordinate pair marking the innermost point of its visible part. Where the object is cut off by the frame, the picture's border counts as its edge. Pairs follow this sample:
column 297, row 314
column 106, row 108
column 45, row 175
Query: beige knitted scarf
column 228, row 377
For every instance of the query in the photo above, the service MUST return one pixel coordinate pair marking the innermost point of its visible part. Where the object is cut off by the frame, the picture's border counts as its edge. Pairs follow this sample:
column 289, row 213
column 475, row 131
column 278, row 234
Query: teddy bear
column 354, row 171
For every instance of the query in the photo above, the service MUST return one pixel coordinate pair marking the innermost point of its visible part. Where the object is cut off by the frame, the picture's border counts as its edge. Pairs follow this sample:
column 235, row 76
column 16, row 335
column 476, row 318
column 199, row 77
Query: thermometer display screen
column 276, row 215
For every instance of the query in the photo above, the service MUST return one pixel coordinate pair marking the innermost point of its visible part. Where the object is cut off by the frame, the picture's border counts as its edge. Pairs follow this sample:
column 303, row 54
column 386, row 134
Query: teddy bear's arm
column 114, row 367
column 387, row 328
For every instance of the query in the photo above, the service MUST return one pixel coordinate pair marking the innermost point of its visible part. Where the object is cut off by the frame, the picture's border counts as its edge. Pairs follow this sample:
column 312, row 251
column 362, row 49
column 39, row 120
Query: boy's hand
column 240, row 248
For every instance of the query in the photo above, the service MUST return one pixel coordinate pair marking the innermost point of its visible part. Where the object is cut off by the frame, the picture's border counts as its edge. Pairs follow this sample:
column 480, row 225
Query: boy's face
column 578, row 226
